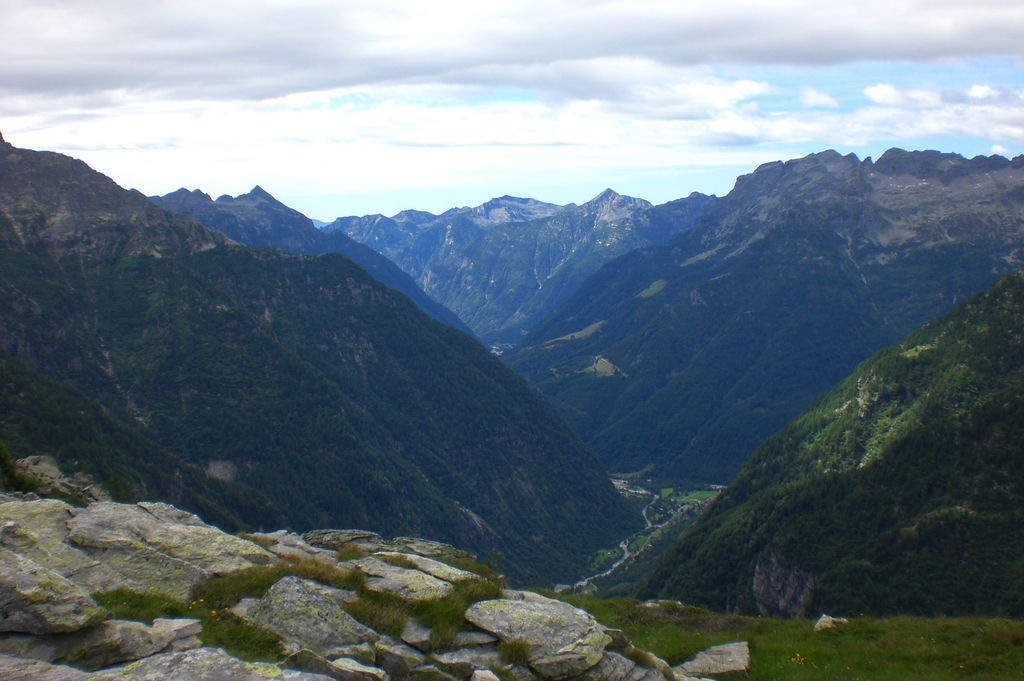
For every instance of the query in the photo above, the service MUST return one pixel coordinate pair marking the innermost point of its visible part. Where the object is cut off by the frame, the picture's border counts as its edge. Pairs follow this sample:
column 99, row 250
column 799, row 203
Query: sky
column 355, row 107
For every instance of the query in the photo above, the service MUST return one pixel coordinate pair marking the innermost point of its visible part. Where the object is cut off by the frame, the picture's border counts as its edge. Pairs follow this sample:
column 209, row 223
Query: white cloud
column 1000, row 150
column 813, row 98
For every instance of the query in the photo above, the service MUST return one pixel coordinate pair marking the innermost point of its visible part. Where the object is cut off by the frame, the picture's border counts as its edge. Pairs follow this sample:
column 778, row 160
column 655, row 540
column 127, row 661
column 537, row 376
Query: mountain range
column 187, row 366
column 677, row 360
column 501, row 267
column 898, row 491
column 258, row 219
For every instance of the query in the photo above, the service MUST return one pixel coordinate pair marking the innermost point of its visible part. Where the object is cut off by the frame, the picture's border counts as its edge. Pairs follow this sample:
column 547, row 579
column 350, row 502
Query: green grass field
column 865, row 649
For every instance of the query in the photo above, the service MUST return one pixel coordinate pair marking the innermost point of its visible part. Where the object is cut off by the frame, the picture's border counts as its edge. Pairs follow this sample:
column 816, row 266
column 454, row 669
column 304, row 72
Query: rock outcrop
column 53, row 556
column 107, row 546
column 730, row 658
column 781, row 588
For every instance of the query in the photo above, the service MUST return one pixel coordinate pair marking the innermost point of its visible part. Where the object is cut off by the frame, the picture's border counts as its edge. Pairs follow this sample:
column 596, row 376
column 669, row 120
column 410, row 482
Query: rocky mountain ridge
column 679, row 359
column 502, row 266
column 258, row 219
column 55, row 557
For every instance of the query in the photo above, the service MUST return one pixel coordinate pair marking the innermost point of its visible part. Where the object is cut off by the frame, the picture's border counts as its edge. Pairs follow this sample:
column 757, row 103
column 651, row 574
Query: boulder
column 417, row 635
column 563, row 641
column 309, row 614
column 464, row 661
column 471, row 639
column 342, row 669
column 184, row 632
column 37, row 600
column 827, row 622
column 430, row 566
column 242, row 607
column 345, row 669
column 730, row 658
column 397, row 659
column 93, row 648
column 484, row 675
column 406, row 583
column 360, row 652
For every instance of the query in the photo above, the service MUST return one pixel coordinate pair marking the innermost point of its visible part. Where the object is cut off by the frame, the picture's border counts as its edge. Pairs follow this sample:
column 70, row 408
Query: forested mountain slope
column 901, row 490
column 680, row 359
column 258, row 219
column 504, row 265
column 301, row 377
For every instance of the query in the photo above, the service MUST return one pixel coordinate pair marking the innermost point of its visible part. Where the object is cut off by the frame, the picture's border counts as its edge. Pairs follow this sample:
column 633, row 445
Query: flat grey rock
column 345, row 669
column 563, row 641
column 364, row 653
column 406, row 583
column 201, row 664
column 20, row 669
column 464, row 661
column 309, row 614
column 289, row 545
column 730, row 658
column 417, row 635
column 106, row 644
column 37, row 600
column 335, row 540
column 398, row 659
column 470, row 639
column 109, row 546
column 431, row 567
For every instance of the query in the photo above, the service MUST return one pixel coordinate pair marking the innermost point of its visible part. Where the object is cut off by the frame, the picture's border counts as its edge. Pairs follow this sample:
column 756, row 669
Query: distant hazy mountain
column 258, row 219
column 680, row 359
column 303, row 378
column 901, row 490
column 504, row 265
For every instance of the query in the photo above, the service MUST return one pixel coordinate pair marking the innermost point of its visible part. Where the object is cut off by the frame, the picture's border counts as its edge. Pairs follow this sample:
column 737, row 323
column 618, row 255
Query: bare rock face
column 781, row 588
column 310, row 614
column 289, row 545
column 563, row 641
column 132, row 546
column 37, row 600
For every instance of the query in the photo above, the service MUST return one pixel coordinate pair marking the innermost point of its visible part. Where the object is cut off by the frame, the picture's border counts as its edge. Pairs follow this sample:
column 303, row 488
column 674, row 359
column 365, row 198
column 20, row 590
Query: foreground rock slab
column 730, row 658
column 563, row 641
column 37, row 600
column 202, row 664
column 109, row 546
column 310, row 614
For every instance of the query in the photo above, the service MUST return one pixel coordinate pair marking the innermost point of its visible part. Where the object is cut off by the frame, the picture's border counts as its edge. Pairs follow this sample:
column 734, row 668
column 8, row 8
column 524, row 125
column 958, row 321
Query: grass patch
column 398, row 560
column 351, row 552
column 265, row 542
column 382, row 612
column 515, row 651
column 880, row 649
column 578, row 335
column 221, row 629
column 224, row 592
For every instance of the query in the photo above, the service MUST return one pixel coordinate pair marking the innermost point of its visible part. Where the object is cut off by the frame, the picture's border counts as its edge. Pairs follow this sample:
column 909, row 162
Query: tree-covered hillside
column 901, row 490
column 301, row 377
column 678, row 360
